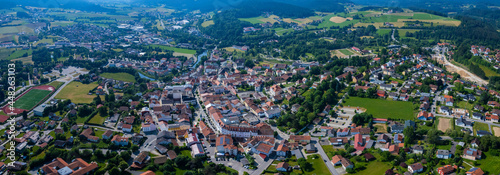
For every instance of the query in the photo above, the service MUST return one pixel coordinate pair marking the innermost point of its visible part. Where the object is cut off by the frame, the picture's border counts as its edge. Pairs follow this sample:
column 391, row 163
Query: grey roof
column 311, row 147
column 443, row 152
column 298, row 153
column 397, row 127
column 244, row 161
column 463, row 121
column 369, row 144
column 483, row 132
column 409, row 123
column 166, row 134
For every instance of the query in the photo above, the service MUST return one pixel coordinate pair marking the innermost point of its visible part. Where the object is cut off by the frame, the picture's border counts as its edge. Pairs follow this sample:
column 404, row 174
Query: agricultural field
column 77, row 92
column 31, row 98
column 260, row 19
column 207, row 23
column 381, row 108
column 179, row 50
column 19, row 53
column 126, row 77
column 231, row 49
column 384, row 31
column 46, row 40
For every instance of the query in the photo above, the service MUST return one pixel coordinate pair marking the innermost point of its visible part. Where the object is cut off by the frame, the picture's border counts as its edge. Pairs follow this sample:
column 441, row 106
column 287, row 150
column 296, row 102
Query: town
column 161, row 91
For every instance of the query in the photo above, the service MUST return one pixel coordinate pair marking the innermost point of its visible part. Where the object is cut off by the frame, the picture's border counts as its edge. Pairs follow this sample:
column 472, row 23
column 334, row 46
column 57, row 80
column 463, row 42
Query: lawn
column 480, row 126
column 346, row 52
column 375, row 167
column 179, row 50
column 318, row 165
column 381, row 108
column 254, row 20
column 19, row 54
column 383, row 31
column 488, row 163
column 207, row 23
column 77, row 92
column 381, row 128
column 31, row 98
column 328, row 148
column 55, row 84
column 186, row 153
column 119, row 76
column 97, row 119
column 487, row 71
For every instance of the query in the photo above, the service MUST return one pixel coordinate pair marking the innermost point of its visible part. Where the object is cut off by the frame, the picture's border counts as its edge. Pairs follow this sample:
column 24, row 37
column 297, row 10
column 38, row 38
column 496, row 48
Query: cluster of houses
column 492, row 56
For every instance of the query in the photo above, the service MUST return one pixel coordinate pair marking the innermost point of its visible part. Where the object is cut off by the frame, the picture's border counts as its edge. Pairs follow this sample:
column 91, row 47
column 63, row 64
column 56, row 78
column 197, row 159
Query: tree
column 304, row 164
column 123, row 165
column 249, row 63
column 114, row 170
column 97, row 100
column 409, row 133
column 432, row 136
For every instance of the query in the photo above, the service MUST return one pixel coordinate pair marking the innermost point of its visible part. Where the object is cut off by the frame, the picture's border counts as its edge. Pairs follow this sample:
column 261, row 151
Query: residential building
column 472, row 154
column 78, row 166
column 443, row 154
column 415, row 168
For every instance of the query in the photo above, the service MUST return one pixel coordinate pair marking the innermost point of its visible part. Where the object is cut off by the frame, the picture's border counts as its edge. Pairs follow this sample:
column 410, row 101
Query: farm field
column 444, row 124
column 207, row 23
column 31, row 98
column 77, row 92
column 119, row 76
column 381, row 108
column 260, row 19
column 19, row 54
column 48, row 41
column 179, row 50
column 383, row 31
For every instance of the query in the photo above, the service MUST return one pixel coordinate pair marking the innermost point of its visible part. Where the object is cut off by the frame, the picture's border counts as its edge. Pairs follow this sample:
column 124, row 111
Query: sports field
column 381, row 108
column 119, row 76
column 77, row 92
column 31, row 98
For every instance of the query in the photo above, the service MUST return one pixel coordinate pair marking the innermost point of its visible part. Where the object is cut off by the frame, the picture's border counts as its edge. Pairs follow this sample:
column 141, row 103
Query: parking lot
column 344, row 118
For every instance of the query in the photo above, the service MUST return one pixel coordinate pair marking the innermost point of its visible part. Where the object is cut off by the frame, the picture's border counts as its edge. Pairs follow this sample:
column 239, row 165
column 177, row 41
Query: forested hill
column 249, row 9
column 288, row 8
column 82, row 5
column 319, row 5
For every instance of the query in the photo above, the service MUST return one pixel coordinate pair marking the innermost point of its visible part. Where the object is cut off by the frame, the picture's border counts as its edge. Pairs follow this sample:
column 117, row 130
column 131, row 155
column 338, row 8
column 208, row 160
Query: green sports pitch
column 31, row 98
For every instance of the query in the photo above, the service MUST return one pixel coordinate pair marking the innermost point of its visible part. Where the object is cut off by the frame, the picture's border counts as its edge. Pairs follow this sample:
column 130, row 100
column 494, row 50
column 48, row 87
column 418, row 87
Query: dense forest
column 249, row 9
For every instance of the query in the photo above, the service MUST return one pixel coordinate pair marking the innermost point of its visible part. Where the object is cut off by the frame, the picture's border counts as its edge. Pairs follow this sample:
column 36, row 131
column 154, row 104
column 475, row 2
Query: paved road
column 325, row 157
column 392, row 36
